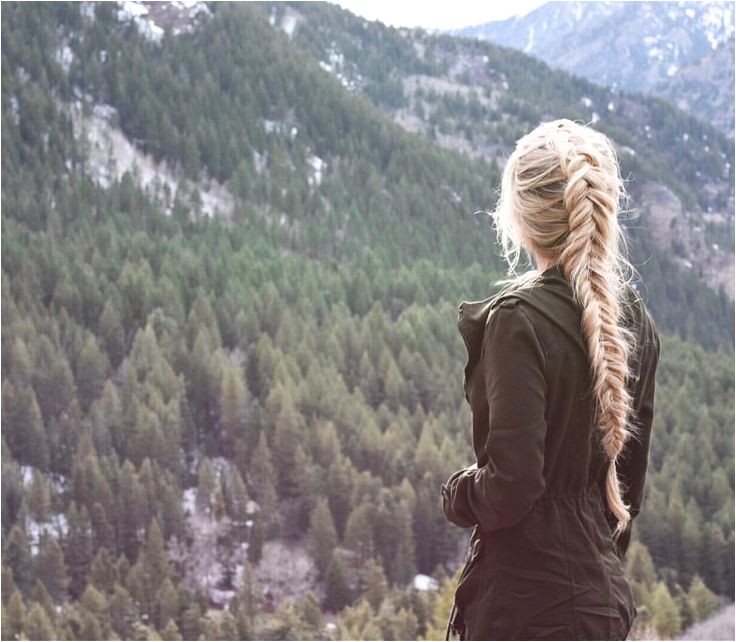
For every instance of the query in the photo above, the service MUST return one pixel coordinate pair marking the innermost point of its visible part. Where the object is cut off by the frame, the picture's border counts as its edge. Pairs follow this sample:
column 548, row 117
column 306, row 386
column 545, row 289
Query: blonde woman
column 560, row 379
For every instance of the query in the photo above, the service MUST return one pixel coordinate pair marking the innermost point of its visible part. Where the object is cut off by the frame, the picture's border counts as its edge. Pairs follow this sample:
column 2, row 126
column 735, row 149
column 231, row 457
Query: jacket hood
column 552, row 297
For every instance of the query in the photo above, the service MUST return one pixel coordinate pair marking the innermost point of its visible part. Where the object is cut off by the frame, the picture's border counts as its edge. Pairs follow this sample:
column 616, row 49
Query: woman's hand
column 449, row 489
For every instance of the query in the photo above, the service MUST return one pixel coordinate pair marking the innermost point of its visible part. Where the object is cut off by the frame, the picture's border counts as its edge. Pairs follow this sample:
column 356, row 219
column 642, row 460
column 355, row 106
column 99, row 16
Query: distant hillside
column 705, row 87
column 637, row 46
column 478, row 98
column 231, row 374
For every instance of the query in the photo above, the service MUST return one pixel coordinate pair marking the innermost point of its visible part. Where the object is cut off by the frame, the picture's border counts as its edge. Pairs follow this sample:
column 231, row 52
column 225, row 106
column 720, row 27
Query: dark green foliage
column 146, row 353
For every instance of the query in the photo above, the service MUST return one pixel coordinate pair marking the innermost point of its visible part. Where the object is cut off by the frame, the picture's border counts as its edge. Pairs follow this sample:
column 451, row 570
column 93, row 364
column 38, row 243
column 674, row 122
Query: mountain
column 231, row 374
column 637, row 46
column 705, row 87
column 477, row 98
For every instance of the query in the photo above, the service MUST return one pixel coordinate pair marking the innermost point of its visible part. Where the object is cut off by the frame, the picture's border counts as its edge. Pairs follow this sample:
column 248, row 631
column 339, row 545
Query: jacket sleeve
column 633, row 461
column 501, row 492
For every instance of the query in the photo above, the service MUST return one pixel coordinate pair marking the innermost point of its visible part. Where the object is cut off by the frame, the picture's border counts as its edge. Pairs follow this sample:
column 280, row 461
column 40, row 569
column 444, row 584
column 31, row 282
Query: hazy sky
column 438, row 15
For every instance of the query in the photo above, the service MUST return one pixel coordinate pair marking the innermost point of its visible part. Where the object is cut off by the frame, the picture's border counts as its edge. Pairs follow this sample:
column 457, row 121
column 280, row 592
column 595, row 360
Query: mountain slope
column 236, row 426
column 637, row 46
column 478, row 98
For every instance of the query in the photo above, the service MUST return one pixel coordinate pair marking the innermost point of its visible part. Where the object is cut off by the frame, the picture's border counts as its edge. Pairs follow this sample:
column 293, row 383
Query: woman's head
column 559, row 200
column 561, row 180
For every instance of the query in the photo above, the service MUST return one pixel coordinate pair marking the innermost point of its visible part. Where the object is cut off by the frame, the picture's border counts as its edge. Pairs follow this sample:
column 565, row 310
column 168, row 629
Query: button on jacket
column 542, row 563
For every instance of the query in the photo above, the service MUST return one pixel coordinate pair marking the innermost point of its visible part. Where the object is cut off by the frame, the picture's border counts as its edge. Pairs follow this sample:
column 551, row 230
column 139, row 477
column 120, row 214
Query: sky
column 438, row 15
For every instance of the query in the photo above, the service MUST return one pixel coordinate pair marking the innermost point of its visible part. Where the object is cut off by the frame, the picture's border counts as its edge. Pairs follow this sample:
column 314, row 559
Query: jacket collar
column 552, row 297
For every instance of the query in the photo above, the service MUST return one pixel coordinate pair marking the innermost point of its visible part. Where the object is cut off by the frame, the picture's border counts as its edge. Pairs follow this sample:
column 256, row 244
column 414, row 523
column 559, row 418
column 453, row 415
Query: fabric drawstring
column 449, row 621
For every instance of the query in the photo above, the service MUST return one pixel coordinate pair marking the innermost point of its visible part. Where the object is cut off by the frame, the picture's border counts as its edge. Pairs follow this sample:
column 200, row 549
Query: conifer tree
column 322, row 536
column 38, row 625
column 14, row 617
column 337, row 589
column 374, row 586
column 17, row 556
column 701, row 599
column 666, row 615
column 170, row 631
column 123, row 614
column 51, row 567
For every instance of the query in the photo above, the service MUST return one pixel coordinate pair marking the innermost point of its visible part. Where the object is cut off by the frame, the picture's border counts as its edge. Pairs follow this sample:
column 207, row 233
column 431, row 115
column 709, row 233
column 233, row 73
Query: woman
column 560, row 379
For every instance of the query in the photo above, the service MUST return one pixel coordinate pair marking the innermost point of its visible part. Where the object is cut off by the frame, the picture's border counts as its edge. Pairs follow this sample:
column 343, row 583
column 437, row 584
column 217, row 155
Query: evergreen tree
column 17, row 556
column 190, row 624
column 38, row 625
column 170, row 631
column 123, row 614
column 701, row 599
column 666, row 616
column 51, row 568
column 322, row 536
column 168, row 603
column 233, row 406
column 14, row 617
column 374, row 586
column 103, row 574
column 154, row 557
column 337, row 589
column 78, row 549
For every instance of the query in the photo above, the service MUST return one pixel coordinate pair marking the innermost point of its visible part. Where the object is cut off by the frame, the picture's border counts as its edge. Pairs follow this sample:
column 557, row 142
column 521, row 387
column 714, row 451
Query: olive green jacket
column 541, row 560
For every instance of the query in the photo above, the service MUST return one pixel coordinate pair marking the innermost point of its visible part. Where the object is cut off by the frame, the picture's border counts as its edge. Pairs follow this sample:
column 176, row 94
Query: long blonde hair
column 560, row 195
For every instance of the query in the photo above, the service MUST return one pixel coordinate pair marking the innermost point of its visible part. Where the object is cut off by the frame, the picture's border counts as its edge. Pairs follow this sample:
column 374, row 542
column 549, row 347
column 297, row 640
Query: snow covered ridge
column 151, row 18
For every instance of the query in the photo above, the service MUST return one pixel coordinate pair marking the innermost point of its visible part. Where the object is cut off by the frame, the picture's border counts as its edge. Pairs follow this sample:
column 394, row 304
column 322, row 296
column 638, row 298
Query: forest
column 237, row 428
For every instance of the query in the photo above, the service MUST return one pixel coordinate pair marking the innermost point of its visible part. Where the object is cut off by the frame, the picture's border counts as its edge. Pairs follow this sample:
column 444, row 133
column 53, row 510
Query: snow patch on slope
column 111, row 154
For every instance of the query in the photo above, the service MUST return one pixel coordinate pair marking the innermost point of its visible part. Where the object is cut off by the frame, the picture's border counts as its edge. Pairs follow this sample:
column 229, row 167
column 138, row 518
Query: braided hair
column 560, row 195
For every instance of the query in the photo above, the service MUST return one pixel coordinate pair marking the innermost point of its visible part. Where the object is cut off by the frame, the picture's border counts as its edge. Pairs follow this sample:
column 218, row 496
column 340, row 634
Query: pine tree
column 17, row 556
column 90, row 627
column 337, row 589
column 14, row 617
column 96, row 603
column 359, row 533
column 191, row 626
column 51, row 567
column 123, row 614
column 701, row 599
column 233, row 404
column 228, row 626
column 53, row 380
column 23, row 426
column 154, row 557
column 40, row 595
column 38, row 624
column 374, row 586
column 92, row 369
column 170, row 631
column 263, row 480
column 112, row 331
column 103, row 574
column 130, row 509
column 666, row 616
column 322, row 536
column 405, row 625
column 404, row 567
column 339, row 489
column 311, row 614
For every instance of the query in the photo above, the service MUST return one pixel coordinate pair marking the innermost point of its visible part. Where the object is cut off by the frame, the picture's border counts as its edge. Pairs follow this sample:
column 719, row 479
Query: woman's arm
column 501, row 493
